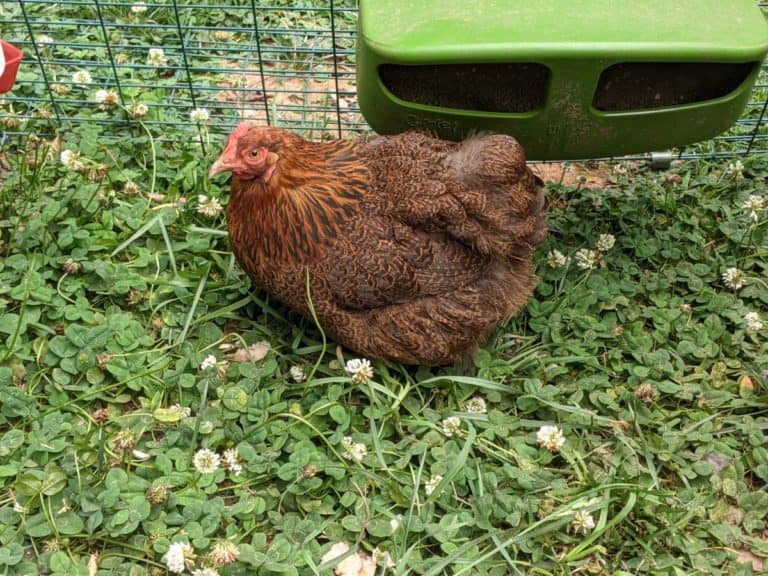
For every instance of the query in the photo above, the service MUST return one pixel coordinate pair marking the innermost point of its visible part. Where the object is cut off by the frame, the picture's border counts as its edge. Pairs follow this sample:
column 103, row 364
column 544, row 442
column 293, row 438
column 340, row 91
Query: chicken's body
column 415, row 248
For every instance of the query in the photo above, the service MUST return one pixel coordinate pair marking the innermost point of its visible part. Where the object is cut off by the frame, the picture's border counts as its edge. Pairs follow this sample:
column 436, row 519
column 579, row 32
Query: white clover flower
column 82, row 77
column 586, row 259
column 182, row 411
column 71, row 160
column 451, row 425
column 353, row 451
column 297, row 373
column 42, row 113
column 620, row 169
column 754, row 204
column 582, row 522
column 43, row 40
column 605, row 242
column 19, row 508
column 205, row 572
column 179, row 557
column 138, row 110
column 557, row 259
column 70, row 266
column 360, row 369
column 224, row 552
column 550, row 437
column 208, row 362
column 395, row 522
column 138, row 7
column 106, row 98
column 232, row 461
column 200, row 115
column 432, row 483
column 210, row 207
column 382, row 558
column 733, row 278
column 156, row 57
column 476, row 405
column 206, row 461
column 735, row 170
column 754, row 323
column 100, row 96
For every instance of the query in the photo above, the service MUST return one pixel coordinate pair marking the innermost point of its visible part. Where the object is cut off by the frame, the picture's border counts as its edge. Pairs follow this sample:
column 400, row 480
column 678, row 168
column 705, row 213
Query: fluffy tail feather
column 503, row 200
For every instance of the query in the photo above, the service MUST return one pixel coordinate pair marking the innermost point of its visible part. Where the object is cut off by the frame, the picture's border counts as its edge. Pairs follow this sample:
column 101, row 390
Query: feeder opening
column 500, row 87
column 648, row 85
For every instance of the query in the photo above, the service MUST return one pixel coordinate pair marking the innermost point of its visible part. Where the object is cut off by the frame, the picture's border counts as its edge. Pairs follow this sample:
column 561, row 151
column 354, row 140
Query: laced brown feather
column 294, row 214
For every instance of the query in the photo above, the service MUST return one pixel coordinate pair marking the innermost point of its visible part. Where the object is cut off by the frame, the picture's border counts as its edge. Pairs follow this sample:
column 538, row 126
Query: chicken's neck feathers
column 312, row 194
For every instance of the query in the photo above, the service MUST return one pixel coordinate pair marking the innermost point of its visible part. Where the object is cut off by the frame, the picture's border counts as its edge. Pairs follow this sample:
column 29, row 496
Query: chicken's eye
column 254, row 153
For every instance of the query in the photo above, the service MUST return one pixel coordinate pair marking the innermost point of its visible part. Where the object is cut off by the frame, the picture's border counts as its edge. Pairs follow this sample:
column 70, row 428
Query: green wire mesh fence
column 201, row 67
column 117, row 63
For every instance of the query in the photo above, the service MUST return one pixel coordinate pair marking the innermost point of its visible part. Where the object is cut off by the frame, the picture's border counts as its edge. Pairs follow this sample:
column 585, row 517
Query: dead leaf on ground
column 746, row 383
column 746, row 557
column 360, row 564
column 253, row 353
column 93, row 565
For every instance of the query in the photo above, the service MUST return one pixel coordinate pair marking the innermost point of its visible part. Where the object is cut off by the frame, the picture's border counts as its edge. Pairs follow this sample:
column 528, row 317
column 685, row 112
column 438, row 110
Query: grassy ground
column 115, row 288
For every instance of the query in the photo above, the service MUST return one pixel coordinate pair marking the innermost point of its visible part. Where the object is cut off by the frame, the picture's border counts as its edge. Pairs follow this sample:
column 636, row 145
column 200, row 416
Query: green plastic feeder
column 568, row 78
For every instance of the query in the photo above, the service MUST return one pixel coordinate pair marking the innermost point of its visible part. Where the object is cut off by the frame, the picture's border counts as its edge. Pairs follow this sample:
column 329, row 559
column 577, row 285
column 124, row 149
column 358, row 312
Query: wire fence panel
column 115, row 63
column 204, row 67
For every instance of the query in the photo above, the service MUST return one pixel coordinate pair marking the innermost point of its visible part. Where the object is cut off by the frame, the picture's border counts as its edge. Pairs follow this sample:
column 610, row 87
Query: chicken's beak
column 219, row 166
column 226, row 162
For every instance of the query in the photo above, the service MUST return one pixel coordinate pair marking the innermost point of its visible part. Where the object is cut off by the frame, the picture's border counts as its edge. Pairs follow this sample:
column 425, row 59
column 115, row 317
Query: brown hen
column 415, row 248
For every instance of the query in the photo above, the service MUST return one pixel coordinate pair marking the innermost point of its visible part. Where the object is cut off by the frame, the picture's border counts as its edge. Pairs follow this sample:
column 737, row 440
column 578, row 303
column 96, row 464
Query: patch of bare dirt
column 588, row 174
column 293, row 97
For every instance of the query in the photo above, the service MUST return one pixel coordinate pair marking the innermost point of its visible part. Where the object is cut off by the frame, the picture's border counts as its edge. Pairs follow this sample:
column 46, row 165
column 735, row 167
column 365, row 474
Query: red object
column 12, row 60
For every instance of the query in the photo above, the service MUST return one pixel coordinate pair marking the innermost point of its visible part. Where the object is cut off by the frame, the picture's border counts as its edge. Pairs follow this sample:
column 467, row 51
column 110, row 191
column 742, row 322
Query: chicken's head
column 251, row 152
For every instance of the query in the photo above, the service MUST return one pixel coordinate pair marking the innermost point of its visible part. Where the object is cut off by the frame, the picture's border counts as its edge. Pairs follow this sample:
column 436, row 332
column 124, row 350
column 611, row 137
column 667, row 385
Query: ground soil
column 594, row 174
